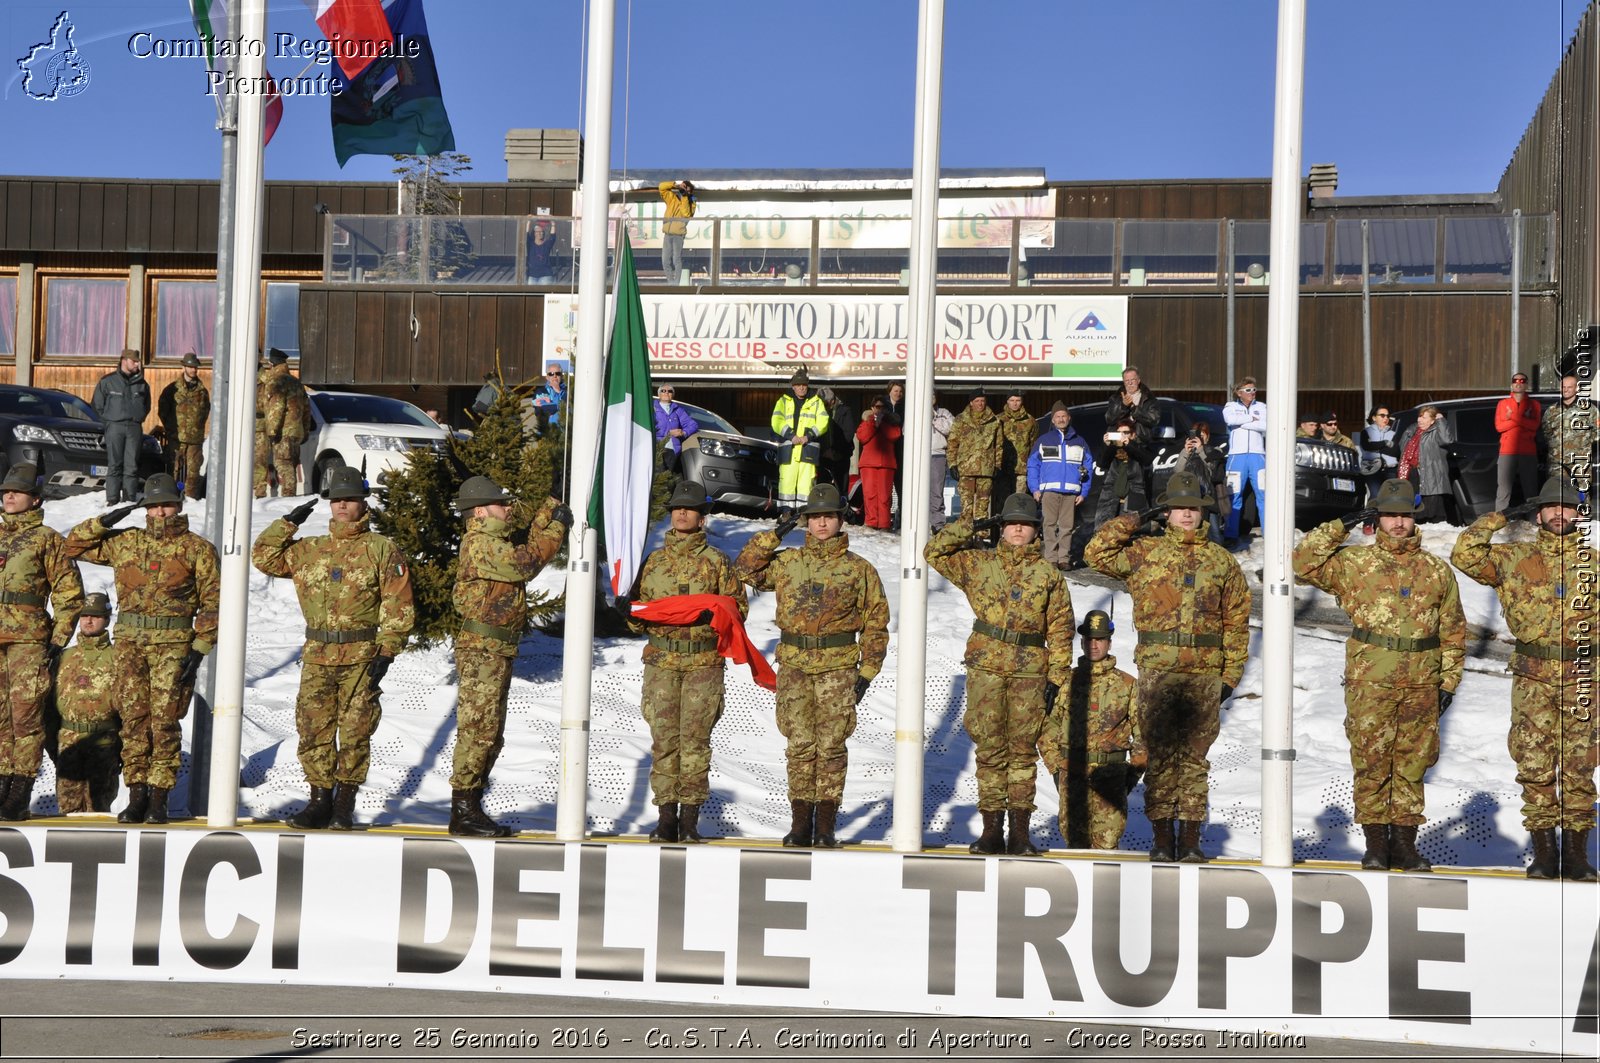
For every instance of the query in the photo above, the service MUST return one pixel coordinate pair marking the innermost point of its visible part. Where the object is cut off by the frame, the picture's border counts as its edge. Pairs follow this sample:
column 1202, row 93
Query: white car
column 372, row 433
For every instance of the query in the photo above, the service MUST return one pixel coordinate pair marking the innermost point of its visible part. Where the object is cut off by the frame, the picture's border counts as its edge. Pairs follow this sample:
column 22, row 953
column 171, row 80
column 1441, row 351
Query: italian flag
column 210, row 24
column 355, row 27
column 620, row 505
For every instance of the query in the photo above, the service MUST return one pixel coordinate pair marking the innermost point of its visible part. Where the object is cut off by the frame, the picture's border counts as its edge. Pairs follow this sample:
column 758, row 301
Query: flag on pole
column 620, row 506
column 394, row 106
column 357, row 29
column 211, row 25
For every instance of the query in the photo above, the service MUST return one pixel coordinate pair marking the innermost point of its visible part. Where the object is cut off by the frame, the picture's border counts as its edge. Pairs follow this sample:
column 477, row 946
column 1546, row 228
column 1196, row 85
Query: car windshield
column 710, row 422
column 18, row 403
column 341, row 407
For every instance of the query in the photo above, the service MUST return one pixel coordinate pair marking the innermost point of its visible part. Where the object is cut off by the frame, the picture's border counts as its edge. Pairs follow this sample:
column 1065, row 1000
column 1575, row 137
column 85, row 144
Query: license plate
column 1340, row 484
column 97, row 470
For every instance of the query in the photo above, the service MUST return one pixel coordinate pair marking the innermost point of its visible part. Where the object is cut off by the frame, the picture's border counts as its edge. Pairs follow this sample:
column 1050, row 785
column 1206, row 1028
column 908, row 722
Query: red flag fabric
column 356, row 28
column 732, row 641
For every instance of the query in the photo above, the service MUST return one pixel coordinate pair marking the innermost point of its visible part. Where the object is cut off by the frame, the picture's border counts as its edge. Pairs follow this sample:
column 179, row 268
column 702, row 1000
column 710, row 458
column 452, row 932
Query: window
column 85, row 318
column 8, row 315
column 186, row 317
column 344, row 407
column 283, row 318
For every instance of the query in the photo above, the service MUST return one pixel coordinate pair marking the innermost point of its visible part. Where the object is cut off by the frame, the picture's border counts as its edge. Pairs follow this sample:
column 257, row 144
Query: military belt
column 1119, row 756
column 1544, row 652
column 1178, row 638
column 158, row 623
column 671, row 645
column 1395, row 642
column 18, row 598
column 90, row 727
column 355, row 634
column 1006, row 635
column 817, row 642
column 489, row 631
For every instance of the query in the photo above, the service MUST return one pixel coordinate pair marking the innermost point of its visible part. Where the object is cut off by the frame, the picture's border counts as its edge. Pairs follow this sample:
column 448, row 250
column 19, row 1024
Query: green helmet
column 161, row 489
column 480, row 491
column 1396, row 497
column 1097, row 625
column 23, row 476
column 823, row 500
column 344, row 483
column 96, row 604
column 1020, row 508
column 689, row 495
column 1557, row 491
column 1185, row 490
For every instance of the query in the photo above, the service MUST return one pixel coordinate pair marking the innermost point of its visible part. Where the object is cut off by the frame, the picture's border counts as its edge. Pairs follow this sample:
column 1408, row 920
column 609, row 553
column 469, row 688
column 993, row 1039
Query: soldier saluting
column 1546, row 590
column 1402, row 663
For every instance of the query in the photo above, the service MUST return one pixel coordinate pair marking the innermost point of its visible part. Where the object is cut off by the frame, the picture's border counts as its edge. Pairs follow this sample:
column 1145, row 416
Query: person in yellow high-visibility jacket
column 798, row 422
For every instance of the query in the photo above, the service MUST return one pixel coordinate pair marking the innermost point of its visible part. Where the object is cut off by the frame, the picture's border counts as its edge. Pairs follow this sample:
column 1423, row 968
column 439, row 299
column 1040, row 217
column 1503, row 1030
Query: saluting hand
column 1360, row 516
column 297, row 516
column 109, row 520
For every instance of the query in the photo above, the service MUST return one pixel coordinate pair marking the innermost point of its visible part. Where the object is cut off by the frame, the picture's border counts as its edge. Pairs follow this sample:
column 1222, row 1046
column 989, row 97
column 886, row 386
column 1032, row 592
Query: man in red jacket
column 1517, row 418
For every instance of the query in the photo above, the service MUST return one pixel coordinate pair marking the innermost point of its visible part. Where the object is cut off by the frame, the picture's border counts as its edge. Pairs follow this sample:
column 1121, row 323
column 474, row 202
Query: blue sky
column 1407, row 97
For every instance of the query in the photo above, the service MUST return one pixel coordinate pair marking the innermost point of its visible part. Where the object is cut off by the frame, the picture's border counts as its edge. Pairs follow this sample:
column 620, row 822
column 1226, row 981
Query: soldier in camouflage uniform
column 1093, row 748
column 89, row 759
column 285, row 421
column 184, row 407
column 35, row 572
column 1018, row 657
column 973, row 453
column 167, row 592
column 1546, row 590
column 1402, row 663
column 263, row 445
column 826, row 596
column 1017, row 432
column 492, row 600
column 1569, row 433
column 355, row 592
column 682, row 671
column 1192, row 609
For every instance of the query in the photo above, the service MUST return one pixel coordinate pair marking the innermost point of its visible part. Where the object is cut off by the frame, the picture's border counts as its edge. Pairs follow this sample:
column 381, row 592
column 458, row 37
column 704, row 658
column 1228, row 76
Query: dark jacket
column 1145, row 417
column 119, row 397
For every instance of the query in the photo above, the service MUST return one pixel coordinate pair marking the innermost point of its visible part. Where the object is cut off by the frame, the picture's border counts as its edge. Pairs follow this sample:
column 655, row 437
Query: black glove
column 987, row 524
column 1051, row 692
column 377, row 670
column 787, row 519
column 1526, row 511
column 861, row 689
column 190, row 666
column 1155, row 514
column 1134, row 775
column 562, row 515
column 1445, row 698
column 109, row 520
column 52, row 654
column 1360, row 516
column 297, row 516
column 623, row 606
column 704, row 617
column 1227, row 692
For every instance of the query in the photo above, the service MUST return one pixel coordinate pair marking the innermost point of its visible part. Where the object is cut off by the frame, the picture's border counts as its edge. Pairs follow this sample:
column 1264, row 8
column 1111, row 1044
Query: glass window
column 709, row 421
column 1073, row 251
column 84, row 317
column 8, row 315
column 1252, row 252
column 1401, row 250
column 1169, row 252
column 58, row 404
column 186, row 318
column 343, row 407
column 283, row 317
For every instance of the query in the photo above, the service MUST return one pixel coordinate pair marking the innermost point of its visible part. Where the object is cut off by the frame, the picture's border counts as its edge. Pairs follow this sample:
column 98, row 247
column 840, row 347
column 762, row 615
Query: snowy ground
column 1473, row 801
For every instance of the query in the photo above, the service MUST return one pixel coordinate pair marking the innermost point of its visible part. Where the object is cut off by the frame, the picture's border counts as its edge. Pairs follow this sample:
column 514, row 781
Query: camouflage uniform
column 33, row 564
column 824, row 594
column 1408, row 644
column 1090, row 744
column 285, row 423
column 1021, row 640
column 492, row 600
column 86, row 780
column 682, row 671
column 1569, row 432
column 263, row 445
column 167, row 586
column 1016, row 440
column 973, row 454
column 1192, row 609
column 1546, row 590
column 355, row 592
column 184, row 408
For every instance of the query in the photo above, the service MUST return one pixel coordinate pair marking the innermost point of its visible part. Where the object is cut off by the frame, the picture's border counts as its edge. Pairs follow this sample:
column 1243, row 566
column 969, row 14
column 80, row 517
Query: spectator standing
column 487, row 395
column 541, row 248
column 1517, row 419
column 1060, row 470
column 183, row 409
column 938, row 467
column 839, row 441
column 799, row 421
column 1425, row 463
column 548, row 397
column 1124, row 486
column 896, row 409
column 673, row 426
column 122, row 399
column 1328, row 431
column 1247, row 452
column 1380, row 452
column 681, row 204
column 1016, row 440
column 1136, row 402
column 877, row 433
column 1569, row 433
column 1308, row 427
column 1206, row 463
column 973, row 450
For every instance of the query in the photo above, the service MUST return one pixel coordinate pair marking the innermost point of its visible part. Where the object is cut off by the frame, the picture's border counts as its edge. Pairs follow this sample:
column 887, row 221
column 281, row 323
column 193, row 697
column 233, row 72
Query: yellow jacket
column 680, row 208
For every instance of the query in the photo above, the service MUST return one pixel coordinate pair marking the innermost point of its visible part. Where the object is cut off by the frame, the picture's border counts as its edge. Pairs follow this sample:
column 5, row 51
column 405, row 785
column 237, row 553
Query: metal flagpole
column 910, row 687
column 1283, row 357
column 233, row 541
column 584, row 399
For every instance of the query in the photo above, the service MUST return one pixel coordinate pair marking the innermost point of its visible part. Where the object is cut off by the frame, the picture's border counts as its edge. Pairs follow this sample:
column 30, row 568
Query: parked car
column 1475, row 454
column 372, row 433
column 64, row 437
column 737, row 470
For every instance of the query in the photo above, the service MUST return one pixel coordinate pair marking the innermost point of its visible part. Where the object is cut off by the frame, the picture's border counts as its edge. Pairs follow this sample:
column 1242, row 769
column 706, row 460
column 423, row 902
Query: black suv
column 737, row 471
column 1475, row 454
column 64, row 437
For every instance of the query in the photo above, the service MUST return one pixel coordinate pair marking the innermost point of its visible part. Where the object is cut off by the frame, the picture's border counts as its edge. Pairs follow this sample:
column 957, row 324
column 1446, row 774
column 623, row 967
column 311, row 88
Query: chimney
column 544, row 155
column 1324, row 180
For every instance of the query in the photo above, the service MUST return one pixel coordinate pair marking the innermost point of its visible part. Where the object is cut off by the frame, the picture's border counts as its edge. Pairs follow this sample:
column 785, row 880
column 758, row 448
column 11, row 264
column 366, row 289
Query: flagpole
column 910, row 676
column 233, row 543
column 577, row 652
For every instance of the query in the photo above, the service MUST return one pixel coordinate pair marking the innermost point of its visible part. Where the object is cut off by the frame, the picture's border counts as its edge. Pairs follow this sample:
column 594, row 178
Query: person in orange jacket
column 1517, row 419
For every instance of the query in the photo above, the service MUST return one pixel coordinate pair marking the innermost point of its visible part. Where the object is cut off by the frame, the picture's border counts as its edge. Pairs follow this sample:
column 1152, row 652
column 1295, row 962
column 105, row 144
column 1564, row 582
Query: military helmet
column 344, row 483
column 480, row 491
column 22, row 477
column 689, row 495
column 1557, row 491
column 1020, row 508
column 1185, row 490
column 161, row 489
column 191, row 360
column 1396, row 497
column 823, row 500
column 1097, row 625
column 800, row 377
column 96, row 604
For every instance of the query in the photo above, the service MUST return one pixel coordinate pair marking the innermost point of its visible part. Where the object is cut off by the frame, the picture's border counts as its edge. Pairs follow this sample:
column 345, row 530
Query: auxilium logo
column 54, row 69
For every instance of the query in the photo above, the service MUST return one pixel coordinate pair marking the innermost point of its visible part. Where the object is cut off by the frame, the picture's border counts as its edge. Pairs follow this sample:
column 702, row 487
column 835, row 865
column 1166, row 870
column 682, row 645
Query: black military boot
column 5, row 787
column 138, row 804
column 19, row 795
column 157, row 812
column 317, row 811
column 1403, row 855
column 1189, row 851
column 1161, row 845
column 992, row 842
column 1017, row 841
column 344, row 806
column 689, row 823
column 827, row 818
column 1575, row 866
column 799, row 836
column 467, row 819
column 1545, row 862
column 1376, row 858
column 667, row 826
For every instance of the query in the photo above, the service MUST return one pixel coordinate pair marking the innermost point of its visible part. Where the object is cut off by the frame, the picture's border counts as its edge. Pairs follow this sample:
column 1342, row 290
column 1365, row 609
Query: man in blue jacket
column 122, row 399
column 1060, row 470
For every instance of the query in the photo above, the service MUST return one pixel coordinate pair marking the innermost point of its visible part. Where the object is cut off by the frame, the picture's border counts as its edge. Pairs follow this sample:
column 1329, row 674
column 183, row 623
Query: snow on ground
column 1473, row 801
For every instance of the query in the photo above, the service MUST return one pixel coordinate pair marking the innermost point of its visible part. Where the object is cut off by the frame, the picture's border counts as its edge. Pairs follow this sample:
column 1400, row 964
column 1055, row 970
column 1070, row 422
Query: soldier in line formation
column 184, row 408
column 89, row 755
column 283, row 422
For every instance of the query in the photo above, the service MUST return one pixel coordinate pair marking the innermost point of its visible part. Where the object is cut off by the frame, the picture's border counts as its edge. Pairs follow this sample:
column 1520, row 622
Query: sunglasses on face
column 1247, row 391
column 1334, row 421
